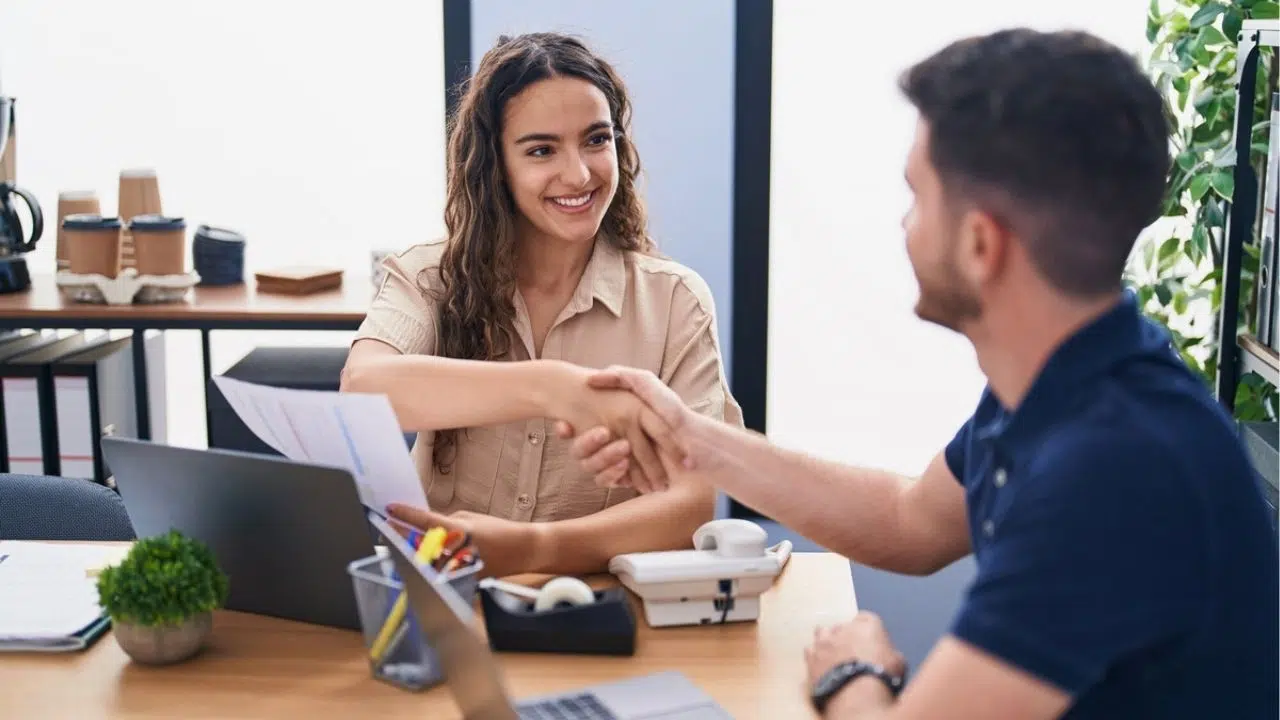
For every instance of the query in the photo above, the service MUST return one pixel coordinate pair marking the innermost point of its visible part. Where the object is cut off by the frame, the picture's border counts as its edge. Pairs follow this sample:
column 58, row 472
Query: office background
column 320, row 129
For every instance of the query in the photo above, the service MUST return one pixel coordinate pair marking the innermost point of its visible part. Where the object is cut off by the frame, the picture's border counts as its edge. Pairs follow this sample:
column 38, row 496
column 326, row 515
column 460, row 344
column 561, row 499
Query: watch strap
column 835, row 679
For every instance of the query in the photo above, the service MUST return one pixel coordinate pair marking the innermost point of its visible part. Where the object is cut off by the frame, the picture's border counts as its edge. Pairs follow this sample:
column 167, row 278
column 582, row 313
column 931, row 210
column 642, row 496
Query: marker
column 431, row 545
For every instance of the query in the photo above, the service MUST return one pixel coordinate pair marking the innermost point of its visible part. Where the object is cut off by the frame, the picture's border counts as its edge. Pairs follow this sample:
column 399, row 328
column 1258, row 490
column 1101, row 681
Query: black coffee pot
column 14, row 243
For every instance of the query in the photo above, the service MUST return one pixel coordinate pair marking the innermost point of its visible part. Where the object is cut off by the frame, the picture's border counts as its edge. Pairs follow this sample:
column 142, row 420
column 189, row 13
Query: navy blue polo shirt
column 1124, row 550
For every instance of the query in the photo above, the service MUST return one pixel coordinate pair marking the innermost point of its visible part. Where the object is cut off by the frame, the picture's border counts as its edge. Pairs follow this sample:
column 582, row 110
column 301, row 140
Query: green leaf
column 1207, row 14
column 1163, row 294
column 1199, row 186
column 1198, row 247
column 1153, row 20
column 1212, row 213
column 1225, row 157
column 1224, row 182
column 1212, row 36
column 1169, row 247
column 1265, row 11
column 1232, row 21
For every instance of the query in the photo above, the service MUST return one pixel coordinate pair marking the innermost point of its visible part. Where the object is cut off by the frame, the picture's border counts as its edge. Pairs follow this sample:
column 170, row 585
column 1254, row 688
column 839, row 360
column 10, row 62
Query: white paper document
column 354, row 431
column 48, row 592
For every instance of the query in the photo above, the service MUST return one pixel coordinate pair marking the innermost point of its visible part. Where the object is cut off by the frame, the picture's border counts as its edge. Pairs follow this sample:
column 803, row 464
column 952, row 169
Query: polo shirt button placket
column 988, row 528
column 1001, row 477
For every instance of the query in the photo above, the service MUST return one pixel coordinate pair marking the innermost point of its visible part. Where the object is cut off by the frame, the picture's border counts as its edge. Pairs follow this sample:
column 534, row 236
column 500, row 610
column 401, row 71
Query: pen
column 431, row 545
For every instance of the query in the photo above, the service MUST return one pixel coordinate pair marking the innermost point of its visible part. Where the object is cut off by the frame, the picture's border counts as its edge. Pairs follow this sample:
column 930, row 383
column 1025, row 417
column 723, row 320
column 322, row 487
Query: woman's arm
column 435, row 393
column 432, row 393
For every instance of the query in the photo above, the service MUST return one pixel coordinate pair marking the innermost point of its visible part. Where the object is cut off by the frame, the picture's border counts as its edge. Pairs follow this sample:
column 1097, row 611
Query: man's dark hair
column 1059, row 135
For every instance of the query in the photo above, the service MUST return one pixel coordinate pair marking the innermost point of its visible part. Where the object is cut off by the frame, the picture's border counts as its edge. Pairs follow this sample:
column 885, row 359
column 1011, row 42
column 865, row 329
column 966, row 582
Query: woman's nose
column 575, row 172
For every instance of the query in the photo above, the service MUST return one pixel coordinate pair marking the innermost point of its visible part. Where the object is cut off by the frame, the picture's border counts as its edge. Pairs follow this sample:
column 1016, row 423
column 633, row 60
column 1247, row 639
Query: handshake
column 628, row 428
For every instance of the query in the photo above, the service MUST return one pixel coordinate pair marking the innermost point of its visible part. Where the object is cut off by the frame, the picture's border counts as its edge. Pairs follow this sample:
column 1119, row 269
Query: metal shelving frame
column 1243, row 353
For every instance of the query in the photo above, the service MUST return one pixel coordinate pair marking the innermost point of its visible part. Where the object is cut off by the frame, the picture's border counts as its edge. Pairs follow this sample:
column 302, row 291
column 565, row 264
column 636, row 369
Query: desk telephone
column 719, row 581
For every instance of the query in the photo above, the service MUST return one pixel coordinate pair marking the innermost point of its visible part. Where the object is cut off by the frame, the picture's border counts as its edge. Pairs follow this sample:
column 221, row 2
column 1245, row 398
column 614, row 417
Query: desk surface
column 257, row 667
column 43, row 303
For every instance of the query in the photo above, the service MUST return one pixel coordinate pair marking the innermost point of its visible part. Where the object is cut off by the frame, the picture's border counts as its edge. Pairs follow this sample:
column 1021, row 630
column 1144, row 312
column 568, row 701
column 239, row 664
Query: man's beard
column 944, row 300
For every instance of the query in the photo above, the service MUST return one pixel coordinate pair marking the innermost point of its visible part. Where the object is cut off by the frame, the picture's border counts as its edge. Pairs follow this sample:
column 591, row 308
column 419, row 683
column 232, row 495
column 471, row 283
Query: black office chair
column 37, row 507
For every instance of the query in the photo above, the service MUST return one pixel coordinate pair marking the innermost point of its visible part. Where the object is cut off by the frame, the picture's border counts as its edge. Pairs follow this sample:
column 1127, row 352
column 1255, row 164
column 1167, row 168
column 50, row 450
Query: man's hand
column 506, row 547
column 674, row 432
column 580, row 400
column 863, row 638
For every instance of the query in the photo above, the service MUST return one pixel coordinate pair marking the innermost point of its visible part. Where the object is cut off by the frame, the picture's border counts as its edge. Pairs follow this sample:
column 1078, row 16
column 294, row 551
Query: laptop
column 477, row 685
column 282, row 531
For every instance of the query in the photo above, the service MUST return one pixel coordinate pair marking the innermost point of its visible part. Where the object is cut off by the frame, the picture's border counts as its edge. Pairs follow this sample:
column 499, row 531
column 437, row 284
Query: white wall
column 317, row 129
column 853, row 375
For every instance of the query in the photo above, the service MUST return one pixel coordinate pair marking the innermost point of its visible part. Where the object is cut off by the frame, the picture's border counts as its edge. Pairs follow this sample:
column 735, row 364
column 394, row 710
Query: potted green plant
column 161, row 598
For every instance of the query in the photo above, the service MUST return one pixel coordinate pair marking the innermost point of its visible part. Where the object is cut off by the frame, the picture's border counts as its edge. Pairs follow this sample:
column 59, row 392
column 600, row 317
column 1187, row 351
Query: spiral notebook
column 49, row 596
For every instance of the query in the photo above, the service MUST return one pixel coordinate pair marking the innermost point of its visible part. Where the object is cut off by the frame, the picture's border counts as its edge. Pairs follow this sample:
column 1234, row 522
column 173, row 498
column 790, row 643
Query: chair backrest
column 36, row 507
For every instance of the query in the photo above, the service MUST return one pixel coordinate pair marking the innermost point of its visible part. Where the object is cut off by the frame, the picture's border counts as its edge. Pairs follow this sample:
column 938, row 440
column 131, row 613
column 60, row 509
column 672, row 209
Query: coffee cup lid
column 156, row 222
column 90, row 221
column 208, row 232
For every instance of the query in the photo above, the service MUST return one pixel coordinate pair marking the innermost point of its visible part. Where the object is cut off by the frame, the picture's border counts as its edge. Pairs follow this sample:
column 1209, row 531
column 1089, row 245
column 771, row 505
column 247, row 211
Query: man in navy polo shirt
column 1127, row 563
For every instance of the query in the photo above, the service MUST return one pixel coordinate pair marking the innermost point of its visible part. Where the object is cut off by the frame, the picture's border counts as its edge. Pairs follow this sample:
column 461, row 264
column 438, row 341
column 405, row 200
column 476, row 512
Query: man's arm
column 874, row 517
column 956, row 682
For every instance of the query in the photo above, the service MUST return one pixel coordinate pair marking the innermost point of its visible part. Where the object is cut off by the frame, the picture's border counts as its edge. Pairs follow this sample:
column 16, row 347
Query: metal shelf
column 1263, row 442
column 1260, row 359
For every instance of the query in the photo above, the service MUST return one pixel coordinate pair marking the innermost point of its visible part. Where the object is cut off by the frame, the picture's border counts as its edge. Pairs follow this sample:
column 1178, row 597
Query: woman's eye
column 601, row 139
column 540, row 151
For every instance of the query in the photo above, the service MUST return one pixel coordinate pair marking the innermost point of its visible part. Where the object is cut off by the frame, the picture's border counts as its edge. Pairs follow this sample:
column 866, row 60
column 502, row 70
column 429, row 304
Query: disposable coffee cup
column 73, row 202
column 93, row 244
column 159, row 244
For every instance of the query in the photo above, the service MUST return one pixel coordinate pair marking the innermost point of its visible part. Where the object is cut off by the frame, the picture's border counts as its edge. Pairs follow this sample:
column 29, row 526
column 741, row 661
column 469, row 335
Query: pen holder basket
column 604, row 627
column 408, row 660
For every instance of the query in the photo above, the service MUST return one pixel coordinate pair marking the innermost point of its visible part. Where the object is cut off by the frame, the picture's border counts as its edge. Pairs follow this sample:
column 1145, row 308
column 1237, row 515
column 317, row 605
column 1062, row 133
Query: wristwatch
column 834, row 680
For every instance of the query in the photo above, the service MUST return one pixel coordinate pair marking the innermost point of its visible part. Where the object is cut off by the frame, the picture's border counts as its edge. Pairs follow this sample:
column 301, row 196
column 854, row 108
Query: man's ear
column 983, row 247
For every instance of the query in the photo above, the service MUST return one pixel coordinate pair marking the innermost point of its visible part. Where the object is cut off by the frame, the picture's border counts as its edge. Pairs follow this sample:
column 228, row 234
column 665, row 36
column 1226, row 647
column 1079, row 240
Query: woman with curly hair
column 486, row 338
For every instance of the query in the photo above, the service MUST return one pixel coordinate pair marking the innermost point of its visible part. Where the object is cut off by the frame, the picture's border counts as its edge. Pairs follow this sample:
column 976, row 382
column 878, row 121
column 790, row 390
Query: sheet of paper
column 356, row 432
column 48, row 591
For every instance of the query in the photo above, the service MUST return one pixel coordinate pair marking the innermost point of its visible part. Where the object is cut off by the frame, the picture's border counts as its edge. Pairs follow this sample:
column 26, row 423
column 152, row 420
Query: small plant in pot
column 161, row 598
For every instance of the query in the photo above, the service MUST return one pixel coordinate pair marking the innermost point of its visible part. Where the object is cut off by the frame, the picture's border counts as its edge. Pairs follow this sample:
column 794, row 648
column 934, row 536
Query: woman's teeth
column 578, row 201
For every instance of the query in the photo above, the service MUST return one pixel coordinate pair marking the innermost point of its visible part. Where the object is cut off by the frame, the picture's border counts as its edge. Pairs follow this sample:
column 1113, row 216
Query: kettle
column 14, row 243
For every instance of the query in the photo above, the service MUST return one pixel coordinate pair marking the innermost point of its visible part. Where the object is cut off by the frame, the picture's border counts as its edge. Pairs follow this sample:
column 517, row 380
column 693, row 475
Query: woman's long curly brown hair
column 477, row 270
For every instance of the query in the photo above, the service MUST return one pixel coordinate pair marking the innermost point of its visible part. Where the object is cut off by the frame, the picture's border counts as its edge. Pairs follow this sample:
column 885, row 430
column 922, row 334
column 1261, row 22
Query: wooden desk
column 234, row 307
column 258, row 667
column 237, row 307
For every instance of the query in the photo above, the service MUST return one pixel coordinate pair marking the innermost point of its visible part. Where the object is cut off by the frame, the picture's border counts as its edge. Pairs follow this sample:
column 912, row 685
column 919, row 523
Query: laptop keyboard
column 571, row 707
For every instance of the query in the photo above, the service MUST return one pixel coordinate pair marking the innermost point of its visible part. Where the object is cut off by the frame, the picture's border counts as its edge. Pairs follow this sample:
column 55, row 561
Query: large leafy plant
column 164, row 580
column 1177, row 270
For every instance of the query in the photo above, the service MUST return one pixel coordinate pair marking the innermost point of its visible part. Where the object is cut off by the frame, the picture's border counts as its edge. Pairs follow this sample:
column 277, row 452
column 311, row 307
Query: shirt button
column 524, row 501
column 534, row 438
column 1001, row 477
column 988, row 528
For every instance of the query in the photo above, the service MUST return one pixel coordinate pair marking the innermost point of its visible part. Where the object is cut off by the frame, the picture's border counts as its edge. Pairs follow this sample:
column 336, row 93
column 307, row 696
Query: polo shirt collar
column 1119, row 334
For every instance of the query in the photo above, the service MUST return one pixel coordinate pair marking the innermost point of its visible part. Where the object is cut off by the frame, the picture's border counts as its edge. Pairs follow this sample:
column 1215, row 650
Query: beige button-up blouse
column 628, row 309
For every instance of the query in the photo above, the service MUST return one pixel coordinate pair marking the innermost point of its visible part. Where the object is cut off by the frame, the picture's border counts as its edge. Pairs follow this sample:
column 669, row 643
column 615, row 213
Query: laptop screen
column 446, row 620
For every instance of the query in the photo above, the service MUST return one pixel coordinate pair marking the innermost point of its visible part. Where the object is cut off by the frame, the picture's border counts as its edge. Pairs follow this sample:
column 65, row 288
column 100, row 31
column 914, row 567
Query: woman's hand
column 673, row 432
column 575, row 403
column 506, row 547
